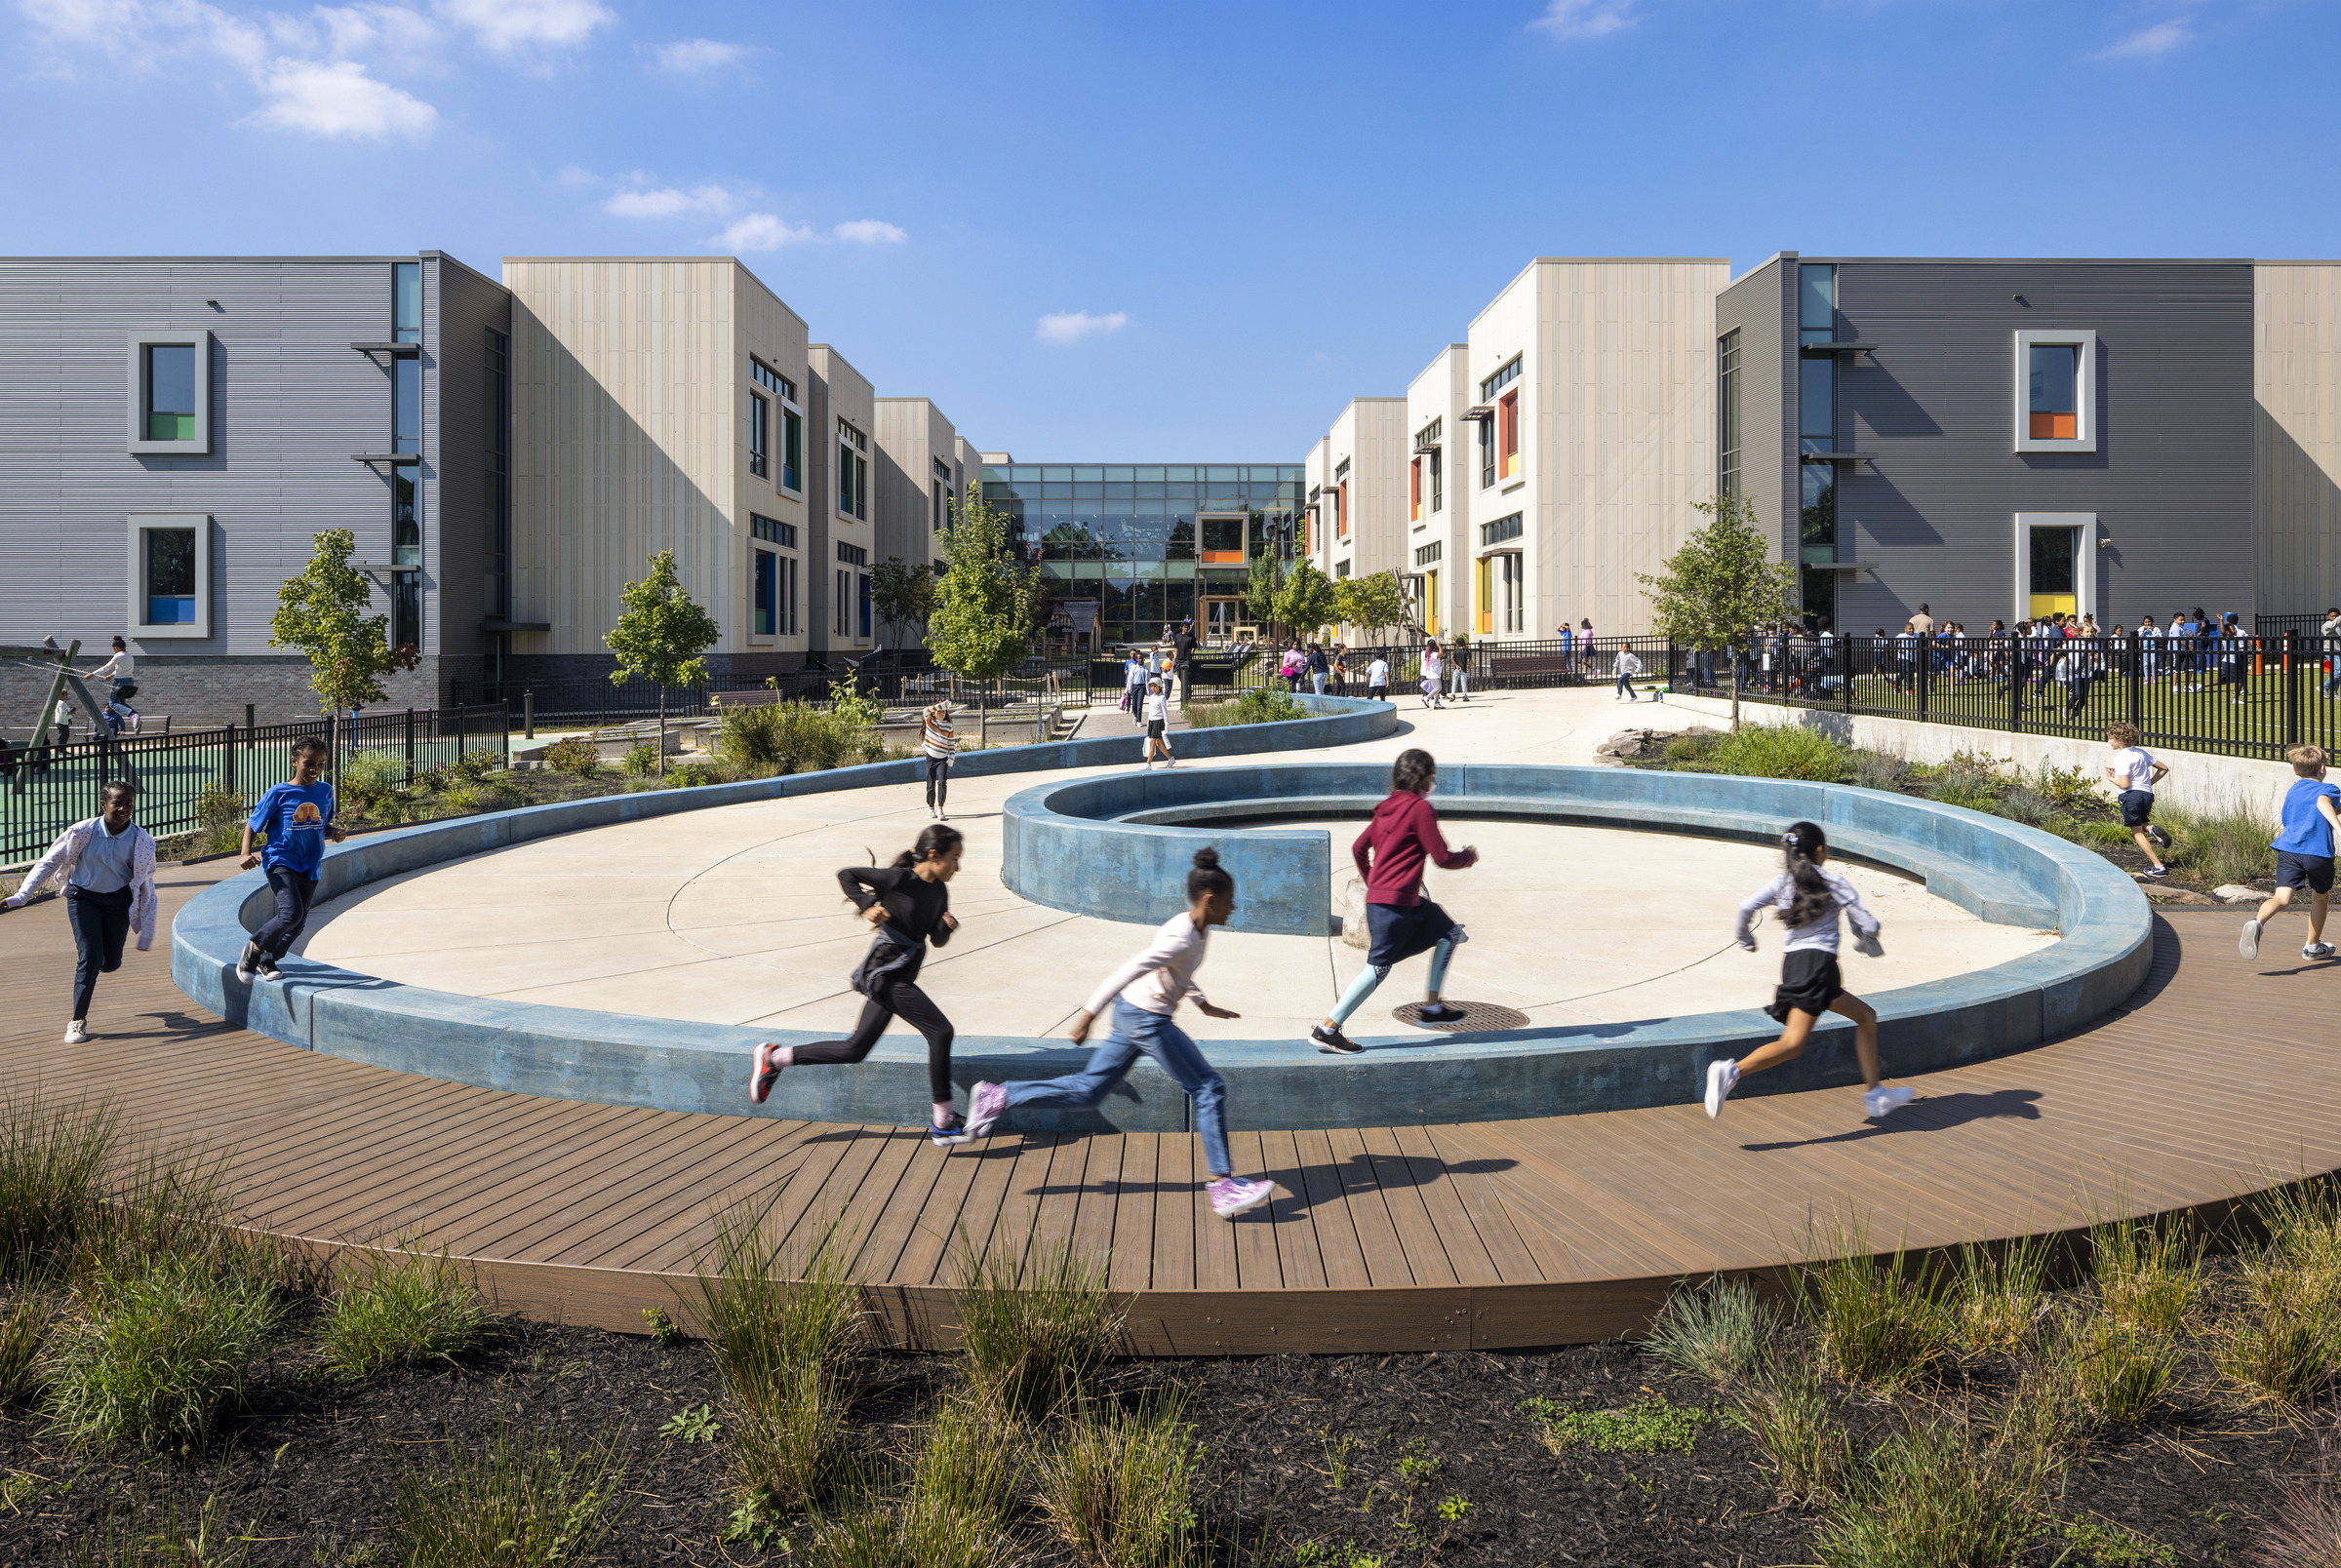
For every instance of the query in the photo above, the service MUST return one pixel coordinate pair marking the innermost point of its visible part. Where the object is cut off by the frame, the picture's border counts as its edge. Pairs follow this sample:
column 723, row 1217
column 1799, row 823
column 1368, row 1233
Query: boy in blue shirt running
column 298, row 817
column 2304, row 852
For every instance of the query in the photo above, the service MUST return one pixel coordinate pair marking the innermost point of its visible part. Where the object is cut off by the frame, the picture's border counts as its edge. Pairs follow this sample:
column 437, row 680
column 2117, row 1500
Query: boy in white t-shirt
column 1378, row 680
column 2133, row 775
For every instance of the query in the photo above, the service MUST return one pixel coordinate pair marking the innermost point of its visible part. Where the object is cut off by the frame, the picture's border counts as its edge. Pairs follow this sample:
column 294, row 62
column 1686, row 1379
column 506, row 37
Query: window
column 171, row 392
column 1816, row 418
column 1487, row 453
column 941, row 507
column 763, row 376
column 406, row 302
column 837, row 611
column 1436, row 480
column 1414, row 492
column 1430, row 603
column 792, row 426
column 1726, row 413
column 1341, row 499
column 852, row 555
column 789, row 626
column 1502, row 379
column 1503, row 605
column 853, row 472
column 772, row 530
column 1817, row 302
column 792, row 449
column 170, row 576
column 2055, row 568
column 760, row 419
column 1426, row 553
column 2056, row 391
column 1502, row 529
column 766, row 604
column 1223, row 540
column 1340, row 570
column 496, row 442
column 1507, row 424
column 406, row 550
column 863, row 578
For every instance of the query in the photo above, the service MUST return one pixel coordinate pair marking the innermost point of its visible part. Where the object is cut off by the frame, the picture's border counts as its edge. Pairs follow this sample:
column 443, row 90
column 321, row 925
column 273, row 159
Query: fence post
column 528, row 715
column 1925, row 650
column 2291, row 695
column 2015, row 685
column 248, row 719
column 460, row 734
column 230, row 769
column 2134, row 657
column 410, row 745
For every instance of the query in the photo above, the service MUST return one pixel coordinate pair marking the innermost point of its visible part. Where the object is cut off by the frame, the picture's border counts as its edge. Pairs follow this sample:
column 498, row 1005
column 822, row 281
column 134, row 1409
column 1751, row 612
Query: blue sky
column 1171, row 233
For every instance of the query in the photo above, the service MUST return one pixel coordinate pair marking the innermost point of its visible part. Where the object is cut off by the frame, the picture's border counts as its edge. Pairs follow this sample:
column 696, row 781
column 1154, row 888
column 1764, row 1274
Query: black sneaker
column 248, row 963
column 2156, row 871
column 1438, row 1012
column 267, row 967
column 2161, row 839
column 1333, row 1042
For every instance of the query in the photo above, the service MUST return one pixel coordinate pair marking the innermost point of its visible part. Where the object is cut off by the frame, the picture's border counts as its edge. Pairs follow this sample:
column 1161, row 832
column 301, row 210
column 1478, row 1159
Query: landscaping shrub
column 1033, row 1334
column 1261, row 705
column 459, row 797
column 955, row 1513
column 1996, row 1293
column 1652, row 1425
column 2107, row 835
column 788, row 1443
column 2302, row 1262
column 52, row 1158
column 2304, row 1532
column 1968, row 781
column 1881, row 1322
column 575, row 755
column 1880, row 771
column 220, row 817
column 477, row 763
column 641, row 761
column 161, row 1354
column 2148, row 1276
column 391, row 1309
column 1924, row 1499
column 1693, row 746
column 522, row 1502
column 1120, row 1488
column 2123, row 1371
column 1718, row 1333
column 139, row 1531
column 2045, row 1424
column 1787, row 1412
column 2222, row 846
column 2033, row 811
column 689, row 775
column 23, row 1328
column 2280, row 1355
column 764, row 735
column 2068, row 789
column 1782, row 750
column 371, row 779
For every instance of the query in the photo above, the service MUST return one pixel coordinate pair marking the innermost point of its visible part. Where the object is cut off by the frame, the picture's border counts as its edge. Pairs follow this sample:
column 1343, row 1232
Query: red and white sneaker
column 763, row 1072
column 1232, row 1196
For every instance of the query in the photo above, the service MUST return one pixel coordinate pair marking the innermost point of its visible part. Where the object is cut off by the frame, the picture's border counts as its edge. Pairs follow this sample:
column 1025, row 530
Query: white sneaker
column 76, row 1033
column 2248, row 944
column 2318, row 950
column 1722, row 1078
column 1885, row 1102
column 1169, row 761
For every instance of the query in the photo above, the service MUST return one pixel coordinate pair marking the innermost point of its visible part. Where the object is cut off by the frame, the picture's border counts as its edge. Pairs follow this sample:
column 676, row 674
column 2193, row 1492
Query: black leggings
column 939, row 780
column 101, row 922
column 904, row 998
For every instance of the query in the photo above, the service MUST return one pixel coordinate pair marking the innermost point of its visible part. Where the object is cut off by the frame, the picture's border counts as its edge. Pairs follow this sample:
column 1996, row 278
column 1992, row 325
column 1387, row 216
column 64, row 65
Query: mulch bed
column 309, row 1472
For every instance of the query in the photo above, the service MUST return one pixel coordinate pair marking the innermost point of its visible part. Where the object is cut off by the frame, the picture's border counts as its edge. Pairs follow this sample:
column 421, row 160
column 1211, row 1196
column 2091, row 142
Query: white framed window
column 2056, row 391
column 2056, row 563
column 170, row 576
column 171, row 392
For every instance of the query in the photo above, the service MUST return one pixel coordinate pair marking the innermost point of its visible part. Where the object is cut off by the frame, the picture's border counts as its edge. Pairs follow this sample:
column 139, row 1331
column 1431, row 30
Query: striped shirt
column 935, row 734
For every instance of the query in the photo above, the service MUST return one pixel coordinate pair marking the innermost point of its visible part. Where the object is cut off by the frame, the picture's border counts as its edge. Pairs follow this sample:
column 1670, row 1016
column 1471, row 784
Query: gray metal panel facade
column 463, row 307
column 1759, row 307
column 2171, row 481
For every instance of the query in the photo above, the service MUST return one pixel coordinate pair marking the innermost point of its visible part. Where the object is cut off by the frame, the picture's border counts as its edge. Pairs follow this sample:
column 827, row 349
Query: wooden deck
column 2214, row 1083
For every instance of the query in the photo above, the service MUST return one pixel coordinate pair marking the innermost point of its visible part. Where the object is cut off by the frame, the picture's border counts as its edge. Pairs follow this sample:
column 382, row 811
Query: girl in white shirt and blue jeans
column 1146, row 994
column 1808, row 898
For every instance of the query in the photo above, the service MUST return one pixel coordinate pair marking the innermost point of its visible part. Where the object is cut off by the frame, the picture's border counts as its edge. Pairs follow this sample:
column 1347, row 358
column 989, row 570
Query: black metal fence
column 2243, row 696
column 45, row 789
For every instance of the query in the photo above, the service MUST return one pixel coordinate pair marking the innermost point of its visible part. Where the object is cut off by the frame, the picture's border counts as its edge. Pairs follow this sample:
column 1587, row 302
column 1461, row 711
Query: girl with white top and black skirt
column 1158, row 726
column 1808, row 897
column 910, row 904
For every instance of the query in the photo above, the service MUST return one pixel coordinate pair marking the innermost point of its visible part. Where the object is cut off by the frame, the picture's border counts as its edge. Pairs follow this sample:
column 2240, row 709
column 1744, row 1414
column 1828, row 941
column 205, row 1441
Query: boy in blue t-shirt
column 298, row 817
column 2304, row 852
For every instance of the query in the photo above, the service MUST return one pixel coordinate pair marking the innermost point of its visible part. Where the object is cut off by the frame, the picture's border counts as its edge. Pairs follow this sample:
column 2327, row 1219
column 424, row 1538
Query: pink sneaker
column 1232, row 1196
column 763, row 1072
column 985, row 1107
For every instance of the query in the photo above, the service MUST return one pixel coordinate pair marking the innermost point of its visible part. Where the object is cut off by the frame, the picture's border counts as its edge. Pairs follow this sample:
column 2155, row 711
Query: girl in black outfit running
column 909, row 905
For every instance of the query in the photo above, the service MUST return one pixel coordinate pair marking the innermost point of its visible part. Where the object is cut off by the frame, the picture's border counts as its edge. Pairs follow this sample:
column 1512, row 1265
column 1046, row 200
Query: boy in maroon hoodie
column 1390, row 853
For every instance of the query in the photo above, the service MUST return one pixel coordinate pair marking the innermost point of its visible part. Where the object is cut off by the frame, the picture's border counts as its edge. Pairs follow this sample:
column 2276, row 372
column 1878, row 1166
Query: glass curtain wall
column 1124, row 536
column 1817, row 432
column 405, row 437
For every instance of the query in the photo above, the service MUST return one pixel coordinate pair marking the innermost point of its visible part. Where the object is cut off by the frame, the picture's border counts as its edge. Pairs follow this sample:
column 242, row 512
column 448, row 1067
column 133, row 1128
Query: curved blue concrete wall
column 2000, row 870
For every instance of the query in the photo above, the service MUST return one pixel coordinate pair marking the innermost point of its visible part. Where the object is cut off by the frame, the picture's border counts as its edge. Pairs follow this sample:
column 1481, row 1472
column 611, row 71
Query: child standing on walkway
column 298, row 817
column 1158, row 726
column 1146, row 994
column 1389, row 857
column 2304, row 853
column 939, row 741
column 106, row 865
column 1378, row 680
column 911, row 907
column 2133, row 775
column 1808, row 898
column 1432, row 665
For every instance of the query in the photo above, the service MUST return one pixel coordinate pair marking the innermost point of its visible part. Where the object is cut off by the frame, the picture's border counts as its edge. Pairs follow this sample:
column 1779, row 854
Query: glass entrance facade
column 1148, row 544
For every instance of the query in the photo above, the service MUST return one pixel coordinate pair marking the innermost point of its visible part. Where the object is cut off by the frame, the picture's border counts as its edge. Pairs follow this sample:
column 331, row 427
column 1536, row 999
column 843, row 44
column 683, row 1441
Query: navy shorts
column 2137, row 806
column 2311, row 872
column 1402, row 930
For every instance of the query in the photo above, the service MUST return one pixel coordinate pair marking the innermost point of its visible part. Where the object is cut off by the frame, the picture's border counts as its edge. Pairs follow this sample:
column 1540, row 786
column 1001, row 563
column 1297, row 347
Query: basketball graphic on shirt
column 306, row 815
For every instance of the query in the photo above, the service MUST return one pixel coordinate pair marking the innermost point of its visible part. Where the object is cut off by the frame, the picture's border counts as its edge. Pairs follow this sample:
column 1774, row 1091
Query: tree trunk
column 662, row 730
column 1734, row 654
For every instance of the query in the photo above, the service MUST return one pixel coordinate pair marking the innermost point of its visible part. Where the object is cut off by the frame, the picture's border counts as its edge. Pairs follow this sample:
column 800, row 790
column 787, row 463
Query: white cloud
column 668, row 201
column 868, row 231
column 2147, row 42
column 687, row 54
column 1075, row 324
column 338, row 99
column 1585, row 18
column 764, row 231
column 506, row 25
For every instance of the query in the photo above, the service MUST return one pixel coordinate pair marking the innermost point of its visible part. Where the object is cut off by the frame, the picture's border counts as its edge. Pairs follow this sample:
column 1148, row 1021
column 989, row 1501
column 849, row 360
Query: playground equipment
column 58, row 664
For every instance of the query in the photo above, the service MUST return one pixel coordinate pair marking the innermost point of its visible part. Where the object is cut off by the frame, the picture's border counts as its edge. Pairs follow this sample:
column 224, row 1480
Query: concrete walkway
column 733, row 915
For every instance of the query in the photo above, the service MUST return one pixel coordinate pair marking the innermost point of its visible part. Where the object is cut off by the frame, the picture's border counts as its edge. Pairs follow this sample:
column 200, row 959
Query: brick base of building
column 203, row 693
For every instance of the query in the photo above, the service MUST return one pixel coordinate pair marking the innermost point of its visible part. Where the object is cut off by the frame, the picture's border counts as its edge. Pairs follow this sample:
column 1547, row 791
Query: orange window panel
column 2055, row 427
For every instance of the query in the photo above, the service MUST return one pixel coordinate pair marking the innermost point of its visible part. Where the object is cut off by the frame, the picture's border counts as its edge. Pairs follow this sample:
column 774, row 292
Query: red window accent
column 1342, row 511
column 1508, row 433
column 1414, row 494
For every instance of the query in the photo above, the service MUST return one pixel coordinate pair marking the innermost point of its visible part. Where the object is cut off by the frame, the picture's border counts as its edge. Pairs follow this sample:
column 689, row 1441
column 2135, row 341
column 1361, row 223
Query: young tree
column 321, row 611
column 1371, row 603
column 1307, row 599
column 1260, row 591
column 901, row 592
column 1721, row 585
column 985, row 605
column 661, row 635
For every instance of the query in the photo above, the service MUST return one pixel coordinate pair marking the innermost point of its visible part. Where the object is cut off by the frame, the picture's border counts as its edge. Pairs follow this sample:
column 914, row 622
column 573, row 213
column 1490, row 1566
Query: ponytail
column 1207, row 878
column 1813, row 899
column 936, row 840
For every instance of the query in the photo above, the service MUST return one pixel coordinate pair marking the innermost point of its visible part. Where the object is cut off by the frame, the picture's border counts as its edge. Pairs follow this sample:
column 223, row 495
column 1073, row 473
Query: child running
column 2304, row 853
column 1146, row 993
column 910, row 904
column 1809, row 898
column 1158, row 726
column 1389, row 855
column 2133, row 775
column 1431, row 668
column 298, row 817
column 1626, row 669
column 1378, row 680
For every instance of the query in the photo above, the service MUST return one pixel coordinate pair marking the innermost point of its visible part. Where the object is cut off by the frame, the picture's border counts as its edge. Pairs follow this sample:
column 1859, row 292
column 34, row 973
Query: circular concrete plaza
column 732, row 914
